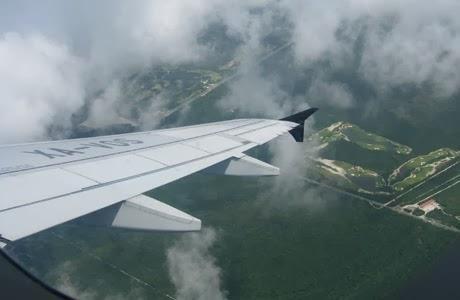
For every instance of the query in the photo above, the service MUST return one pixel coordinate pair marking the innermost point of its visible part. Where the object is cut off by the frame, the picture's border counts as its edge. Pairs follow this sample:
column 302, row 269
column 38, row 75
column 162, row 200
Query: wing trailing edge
column 243, row 165
column 299, row 118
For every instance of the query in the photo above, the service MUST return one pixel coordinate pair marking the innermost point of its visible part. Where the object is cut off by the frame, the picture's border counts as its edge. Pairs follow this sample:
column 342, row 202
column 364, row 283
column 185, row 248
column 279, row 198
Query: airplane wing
column 48, row 183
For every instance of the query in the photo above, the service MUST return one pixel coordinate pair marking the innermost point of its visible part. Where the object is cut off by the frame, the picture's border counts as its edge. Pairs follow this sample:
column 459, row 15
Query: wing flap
column 145, row 213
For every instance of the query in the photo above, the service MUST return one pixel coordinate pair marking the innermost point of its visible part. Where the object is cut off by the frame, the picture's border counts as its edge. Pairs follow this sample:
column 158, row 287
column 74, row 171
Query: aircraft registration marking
column 52, row 153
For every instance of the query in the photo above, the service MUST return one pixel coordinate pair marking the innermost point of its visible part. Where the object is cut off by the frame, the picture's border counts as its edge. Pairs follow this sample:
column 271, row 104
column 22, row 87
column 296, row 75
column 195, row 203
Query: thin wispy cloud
column 193, row 269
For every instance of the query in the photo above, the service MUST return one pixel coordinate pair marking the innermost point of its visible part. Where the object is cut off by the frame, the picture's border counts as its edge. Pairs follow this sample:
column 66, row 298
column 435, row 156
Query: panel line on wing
column 78, row 174
column 255, row 129
column 115, row 167
column 196, row 148
column 149, row 158
column 212, row 143
column 250, row 135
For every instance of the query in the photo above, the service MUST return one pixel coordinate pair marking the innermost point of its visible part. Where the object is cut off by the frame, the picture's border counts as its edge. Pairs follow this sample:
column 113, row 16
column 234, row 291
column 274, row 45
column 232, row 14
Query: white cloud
column 149, row 32
column 193, row 269
column 258, row 96
column 421, row 46
column 104, row 109
column 40, row 85
column 75, row 51
column 327, row 92
column 315, row 24
column 405, row 42
column 152, row 116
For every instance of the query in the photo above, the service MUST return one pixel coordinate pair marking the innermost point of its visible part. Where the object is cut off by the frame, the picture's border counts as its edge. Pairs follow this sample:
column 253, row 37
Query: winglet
column 299, row 118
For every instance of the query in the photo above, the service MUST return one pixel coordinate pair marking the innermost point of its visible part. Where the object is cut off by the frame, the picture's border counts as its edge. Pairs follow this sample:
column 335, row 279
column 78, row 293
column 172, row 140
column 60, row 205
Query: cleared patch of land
column 349, row 176
column 421, row 167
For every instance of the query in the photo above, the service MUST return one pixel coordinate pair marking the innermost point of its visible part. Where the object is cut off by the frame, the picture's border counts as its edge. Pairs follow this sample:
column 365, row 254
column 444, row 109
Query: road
column 442, row 190
column 378, row 205
column 421, row 183
column 436, row 188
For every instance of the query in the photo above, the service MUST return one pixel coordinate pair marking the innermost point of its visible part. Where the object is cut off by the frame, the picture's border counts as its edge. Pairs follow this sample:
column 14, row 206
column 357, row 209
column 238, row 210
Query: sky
column 57, row 57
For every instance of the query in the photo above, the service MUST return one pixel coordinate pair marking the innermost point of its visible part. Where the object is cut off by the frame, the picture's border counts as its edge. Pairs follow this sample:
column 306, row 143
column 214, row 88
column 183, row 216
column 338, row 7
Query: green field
column 450, row 200
column 421, row 167
column 433, row 184
column 176, row 84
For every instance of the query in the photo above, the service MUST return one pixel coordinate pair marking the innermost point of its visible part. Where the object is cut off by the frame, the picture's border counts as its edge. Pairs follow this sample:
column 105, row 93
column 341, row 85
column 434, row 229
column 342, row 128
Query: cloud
column 58, row 57
column 255, row 95
column 66, row 285
column 104, row 110
column 292, row 162
column 290, row 189
column 314, row 26
column 193, row 269
column 403, row 42
column 420, row 46
column 147, row 32
column 151, row 117
column 53, row 63
column 40, row 86
column 76, row 51
column 335, row 94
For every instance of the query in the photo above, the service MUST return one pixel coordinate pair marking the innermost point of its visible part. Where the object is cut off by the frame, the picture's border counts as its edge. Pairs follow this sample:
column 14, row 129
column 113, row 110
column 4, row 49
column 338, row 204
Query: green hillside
column 364, row 139
column 350, row 176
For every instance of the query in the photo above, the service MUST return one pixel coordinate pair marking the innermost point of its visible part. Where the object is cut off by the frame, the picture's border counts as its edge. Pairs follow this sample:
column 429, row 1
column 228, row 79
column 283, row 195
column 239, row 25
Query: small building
column 428, row 205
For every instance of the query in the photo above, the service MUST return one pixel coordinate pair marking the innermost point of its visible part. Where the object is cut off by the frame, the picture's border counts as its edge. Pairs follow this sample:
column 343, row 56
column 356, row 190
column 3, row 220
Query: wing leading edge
column 49, row 183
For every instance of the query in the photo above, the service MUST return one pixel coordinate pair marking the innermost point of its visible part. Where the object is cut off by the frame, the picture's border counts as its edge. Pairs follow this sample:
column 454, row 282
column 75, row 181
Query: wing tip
column 299, row 118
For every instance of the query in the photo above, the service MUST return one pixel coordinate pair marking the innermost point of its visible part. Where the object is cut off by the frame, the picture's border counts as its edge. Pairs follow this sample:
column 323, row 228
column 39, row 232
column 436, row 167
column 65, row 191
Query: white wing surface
column 48, row 183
